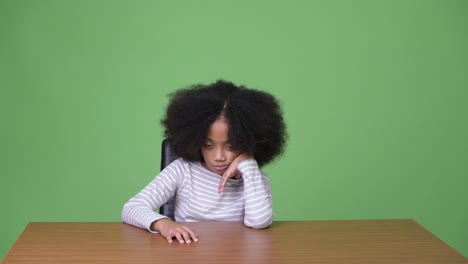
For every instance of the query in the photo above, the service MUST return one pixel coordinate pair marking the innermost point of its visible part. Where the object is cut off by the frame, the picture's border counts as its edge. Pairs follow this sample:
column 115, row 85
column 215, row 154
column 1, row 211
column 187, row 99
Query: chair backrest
column 167, row 156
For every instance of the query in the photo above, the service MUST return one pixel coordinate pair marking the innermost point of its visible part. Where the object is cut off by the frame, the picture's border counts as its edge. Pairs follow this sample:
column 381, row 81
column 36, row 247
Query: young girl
column 223, row 134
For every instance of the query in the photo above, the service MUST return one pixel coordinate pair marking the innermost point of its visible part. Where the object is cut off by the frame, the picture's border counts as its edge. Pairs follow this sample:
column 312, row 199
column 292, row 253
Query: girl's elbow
column 124, row 213
column 256, row 224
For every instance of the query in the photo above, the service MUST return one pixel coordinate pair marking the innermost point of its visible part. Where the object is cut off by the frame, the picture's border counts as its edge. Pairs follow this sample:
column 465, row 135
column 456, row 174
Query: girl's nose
column 219, row 155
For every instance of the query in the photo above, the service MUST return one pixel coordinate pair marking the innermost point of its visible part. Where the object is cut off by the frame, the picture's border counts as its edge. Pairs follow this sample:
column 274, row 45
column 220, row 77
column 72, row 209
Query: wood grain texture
column 357, row 241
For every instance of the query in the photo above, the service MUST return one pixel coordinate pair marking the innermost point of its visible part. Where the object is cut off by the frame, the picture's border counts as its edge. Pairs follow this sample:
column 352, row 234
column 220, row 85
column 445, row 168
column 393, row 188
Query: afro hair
column 254, row 118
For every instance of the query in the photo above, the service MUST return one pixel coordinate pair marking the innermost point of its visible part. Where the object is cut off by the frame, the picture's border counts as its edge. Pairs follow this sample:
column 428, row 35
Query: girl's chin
column 218, row 171
column 215, row 169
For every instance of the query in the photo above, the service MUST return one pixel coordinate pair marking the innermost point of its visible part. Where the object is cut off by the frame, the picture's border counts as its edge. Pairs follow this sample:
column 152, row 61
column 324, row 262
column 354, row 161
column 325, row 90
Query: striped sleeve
column 257, row 195
column 140, row 210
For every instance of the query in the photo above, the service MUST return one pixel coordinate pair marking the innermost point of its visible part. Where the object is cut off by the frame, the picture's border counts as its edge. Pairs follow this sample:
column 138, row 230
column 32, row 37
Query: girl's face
column 217, row 153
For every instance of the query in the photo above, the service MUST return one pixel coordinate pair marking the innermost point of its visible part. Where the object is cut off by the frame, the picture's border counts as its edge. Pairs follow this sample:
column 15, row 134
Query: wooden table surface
column 352, row 241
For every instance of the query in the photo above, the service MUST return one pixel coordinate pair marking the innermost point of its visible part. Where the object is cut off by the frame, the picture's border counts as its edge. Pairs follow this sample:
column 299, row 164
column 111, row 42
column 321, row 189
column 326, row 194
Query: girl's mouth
column 220, row 168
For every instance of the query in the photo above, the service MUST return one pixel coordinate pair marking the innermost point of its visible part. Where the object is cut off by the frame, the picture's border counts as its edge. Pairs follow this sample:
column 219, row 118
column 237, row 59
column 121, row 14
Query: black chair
column 167, row 156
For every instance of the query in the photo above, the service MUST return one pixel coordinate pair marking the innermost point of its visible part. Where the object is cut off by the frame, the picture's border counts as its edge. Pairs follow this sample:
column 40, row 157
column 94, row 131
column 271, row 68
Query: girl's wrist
column 156, row 225
column 243, row 157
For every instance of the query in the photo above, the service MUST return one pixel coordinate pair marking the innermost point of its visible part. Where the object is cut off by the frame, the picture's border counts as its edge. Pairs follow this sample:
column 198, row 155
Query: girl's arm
column 257, row 194
column 258, row 206
column 140, row 209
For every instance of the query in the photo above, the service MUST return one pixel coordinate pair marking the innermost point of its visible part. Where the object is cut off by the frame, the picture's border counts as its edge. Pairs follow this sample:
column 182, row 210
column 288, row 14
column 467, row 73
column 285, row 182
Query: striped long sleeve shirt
column 248, row 199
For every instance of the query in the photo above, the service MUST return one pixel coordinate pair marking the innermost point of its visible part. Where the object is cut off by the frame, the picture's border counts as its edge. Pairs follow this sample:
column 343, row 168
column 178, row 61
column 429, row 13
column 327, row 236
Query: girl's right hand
column 170, row 229
column 232, row 172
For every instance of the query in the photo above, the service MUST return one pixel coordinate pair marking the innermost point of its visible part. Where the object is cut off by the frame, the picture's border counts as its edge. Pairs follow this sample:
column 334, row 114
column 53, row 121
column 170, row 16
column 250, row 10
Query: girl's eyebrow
column 210, row 140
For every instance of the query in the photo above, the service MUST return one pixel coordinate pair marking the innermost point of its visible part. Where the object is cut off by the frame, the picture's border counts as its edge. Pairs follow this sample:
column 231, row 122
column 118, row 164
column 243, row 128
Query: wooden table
column 359, row 241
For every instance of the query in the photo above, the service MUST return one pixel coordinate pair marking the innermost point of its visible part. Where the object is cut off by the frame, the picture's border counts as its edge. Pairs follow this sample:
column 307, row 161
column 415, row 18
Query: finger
column 223, row 182
column 186, row 236
column 192, row 234
column 231, row 172
column 179, row 238
column 237, row 176
column 169, row 239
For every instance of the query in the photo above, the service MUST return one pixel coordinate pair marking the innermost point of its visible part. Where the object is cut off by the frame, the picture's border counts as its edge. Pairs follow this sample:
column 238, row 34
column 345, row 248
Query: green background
column 374, row 94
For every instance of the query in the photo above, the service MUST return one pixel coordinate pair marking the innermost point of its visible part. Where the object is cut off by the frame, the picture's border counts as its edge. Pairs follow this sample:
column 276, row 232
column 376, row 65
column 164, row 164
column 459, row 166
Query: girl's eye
column 207, row 146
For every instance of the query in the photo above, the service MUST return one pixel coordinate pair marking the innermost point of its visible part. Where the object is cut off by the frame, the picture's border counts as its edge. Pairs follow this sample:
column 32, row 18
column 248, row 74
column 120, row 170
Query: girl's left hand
column 232, row 172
